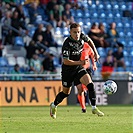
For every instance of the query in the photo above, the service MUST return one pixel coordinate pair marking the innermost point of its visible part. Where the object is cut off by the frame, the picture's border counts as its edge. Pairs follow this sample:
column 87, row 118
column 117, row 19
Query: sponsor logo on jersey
column 65, row 52
column 64, row 83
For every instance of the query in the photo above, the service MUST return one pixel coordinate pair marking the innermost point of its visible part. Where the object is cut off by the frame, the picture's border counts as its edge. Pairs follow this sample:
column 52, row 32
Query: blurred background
column 33, row 30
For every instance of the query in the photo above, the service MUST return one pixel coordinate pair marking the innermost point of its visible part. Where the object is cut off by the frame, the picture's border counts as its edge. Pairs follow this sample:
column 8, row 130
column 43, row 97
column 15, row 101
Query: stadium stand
column 88, row 12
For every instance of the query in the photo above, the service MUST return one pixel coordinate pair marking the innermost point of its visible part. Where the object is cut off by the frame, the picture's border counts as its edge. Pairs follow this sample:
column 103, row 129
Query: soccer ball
column 109, row 87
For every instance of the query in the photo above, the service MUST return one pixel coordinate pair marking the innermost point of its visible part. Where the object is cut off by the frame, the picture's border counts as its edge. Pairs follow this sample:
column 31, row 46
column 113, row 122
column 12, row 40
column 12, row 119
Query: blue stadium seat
column 94, row 15
column 118, row 15
column 65, row 32
column 127, row 63
column 86, row 29
column 87, row 22
column 93, row 6
column 110, row 15
column 121, row 34
column 102, row 15
column 18, row 41
column 80, row 21
column 130, row 43
column 79, row 13
column 86, row 14
column 58, row 31
column 125, row 52
column 85, row 5
column 56, row 62
column 119, row 24
column 31, row 31
column 129, row 34
column 3, row 62
column 115, row 6
column 122, row 5
column 105, row 25
column 100, row 6
column 101, row 51
column 132, row 53
column 127, row 25
column 108, row 6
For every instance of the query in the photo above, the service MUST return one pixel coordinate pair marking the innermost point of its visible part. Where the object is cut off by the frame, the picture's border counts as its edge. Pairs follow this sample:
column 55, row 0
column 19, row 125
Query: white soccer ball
column 109, row 87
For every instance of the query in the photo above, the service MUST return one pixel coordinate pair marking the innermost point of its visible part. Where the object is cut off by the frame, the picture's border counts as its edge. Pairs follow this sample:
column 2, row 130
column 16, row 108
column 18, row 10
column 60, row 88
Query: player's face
column 75, row 33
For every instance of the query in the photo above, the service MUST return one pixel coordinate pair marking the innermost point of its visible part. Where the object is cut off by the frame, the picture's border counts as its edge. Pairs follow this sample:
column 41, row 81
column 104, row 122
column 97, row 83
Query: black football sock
column 59, row 98
column 92, row 94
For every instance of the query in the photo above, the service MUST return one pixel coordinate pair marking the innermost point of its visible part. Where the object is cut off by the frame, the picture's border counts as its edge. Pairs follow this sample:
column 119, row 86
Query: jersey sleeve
column 65, row 51
column 84, row 37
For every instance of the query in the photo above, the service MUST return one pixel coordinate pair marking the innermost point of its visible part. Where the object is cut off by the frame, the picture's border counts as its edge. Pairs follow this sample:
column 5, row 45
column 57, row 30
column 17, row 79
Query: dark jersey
column 72, row 50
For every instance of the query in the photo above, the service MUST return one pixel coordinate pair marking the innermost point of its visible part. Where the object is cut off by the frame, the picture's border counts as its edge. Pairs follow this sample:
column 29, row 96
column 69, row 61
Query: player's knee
column 90, row 87
column 66, row 90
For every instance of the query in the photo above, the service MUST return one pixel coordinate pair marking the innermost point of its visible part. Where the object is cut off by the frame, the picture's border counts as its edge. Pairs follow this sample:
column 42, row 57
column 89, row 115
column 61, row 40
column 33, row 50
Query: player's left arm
column 92, row 45
column 96, row 55
column 94, row 65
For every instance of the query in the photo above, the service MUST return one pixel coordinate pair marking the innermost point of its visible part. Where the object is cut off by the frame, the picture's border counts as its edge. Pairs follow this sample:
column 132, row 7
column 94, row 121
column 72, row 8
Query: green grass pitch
column 117, row 119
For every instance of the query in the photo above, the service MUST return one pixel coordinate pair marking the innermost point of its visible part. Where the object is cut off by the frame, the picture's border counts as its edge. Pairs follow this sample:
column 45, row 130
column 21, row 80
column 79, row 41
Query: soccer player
column 87, row 53
column 72, row 68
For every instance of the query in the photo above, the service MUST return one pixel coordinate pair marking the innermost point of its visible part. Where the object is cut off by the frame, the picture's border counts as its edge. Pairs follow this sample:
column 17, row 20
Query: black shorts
column 77, row 80
column 68, row 76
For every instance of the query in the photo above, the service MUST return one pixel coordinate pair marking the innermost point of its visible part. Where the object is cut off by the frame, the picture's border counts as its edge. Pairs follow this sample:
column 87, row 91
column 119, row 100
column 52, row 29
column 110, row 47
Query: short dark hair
column 74, row 25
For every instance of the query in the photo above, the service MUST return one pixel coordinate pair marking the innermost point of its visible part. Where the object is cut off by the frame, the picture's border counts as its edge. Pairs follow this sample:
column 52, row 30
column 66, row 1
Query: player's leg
column 61, row 95
column 86, row 80
column 81, row 97
column 59, row 98
column 67, row 79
